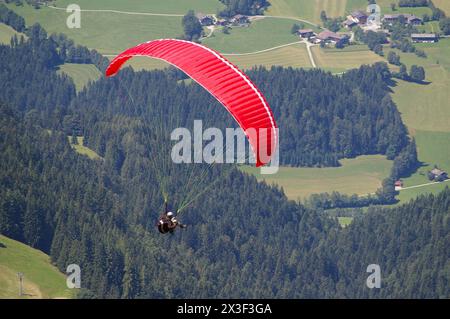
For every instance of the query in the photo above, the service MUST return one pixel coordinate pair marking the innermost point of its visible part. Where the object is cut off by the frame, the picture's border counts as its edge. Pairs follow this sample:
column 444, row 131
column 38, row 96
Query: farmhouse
column 409, row 18
column 205, row 20
column 359, row 17
column 398, row 185
column 424, row 37
column 240, row 19
column 349, row 24
column 306, row 33
column 330, row 37
column 222, row 22
column 437, row 174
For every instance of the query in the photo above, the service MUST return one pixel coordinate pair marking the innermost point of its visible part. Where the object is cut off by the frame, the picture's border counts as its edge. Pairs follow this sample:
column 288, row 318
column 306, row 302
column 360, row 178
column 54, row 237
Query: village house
column 328, row 36
column 398, row 185
column 359, row 17
column 437, row 175
column 349, row 24
column 205, row 20
column 409, row 18
column 306, row 33
column 240, row 19
column 222, row 22
column 424, row 37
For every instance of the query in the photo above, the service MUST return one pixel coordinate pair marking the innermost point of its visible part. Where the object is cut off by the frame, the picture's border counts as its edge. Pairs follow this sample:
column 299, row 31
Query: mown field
column 83, row 150
column 261, row 34
column 6, row 33
column 425, row 110
column 109, row 33
column 151, row 6
column 310, row 9
column 81, row 74
column 444, row 5
column 41, row 278
column 340, row 60
column 361, row 175
column 294, row 56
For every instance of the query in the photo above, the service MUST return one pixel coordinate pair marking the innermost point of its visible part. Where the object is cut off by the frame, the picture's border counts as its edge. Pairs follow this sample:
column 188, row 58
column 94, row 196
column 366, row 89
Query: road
column 423, row 185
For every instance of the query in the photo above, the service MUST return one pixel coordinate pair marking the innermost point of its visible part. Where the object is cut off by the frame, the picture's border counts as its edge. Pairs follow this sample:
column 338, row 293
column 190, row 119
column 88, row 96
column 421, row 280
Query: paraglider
column 167, row 222
column 229, row 85
column 223, row 80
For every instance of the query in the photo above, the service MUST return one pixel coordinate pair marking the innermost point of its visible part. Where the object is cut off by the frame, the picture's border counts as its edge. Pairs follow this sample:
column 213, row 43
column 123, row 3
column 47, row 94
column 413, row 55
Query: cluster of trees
column 192, row 28
column 66, row 49
column 100, row 214
column 374, row 40
column 11, row 18
column 332, row 24
column 413, row 3
column 246, row 7
column 393, row 58
column 444, row 25
column 416, row 74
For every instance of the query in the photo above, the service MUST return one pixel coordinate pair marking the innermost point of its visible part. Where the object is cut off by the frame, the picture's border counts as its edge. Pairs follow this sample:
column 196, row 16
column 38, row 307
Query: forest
column 245, row 239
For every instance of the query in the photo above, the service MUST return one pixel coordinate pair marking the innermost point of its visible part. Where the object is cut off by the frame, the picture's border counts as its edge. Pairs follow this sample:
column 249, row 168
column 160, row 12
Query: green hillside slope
column 41, row 278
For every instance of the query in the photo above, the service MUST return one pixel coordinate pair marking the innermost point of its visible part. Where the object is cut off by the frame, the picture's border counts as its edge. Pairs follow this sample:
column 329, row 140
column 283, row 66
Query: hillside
column 41, row 278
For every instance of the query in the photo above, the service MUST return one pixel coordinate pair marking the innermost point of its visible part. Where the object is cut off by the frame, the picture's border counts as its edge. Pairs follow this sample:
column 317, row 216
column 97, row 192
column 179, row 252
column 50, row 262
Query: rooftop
column 424, row 35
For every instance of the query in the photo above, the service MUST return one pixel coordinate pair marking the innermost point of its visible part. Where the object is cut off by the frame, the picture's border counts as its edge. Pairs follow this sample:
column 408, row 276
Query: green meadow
column 149, row 6
column 41, row 278
column 361, row 175
column 81, row 74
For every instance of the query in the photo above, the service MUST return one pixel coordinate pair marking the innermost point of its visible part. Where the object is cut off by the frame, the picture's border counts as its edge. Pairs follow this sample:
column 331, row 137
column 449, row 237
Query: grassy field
column 261, row 34
column 426, row 111
column 41, row 279
column 426, row 107
column 339, row 60
column 294, row 56
column 6, row 33
column 345, row 221
column 83, row 150
column 151, row 6
column 444, row 5
column 361, row 175
column 310, row 9
column 80, row 73
column 109, row 33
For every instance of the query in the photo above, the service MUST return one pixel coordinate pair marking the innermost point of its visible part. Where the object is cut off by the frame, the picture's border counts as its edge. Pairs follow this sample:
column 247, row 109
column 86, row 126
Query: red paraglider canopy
column 223, row 80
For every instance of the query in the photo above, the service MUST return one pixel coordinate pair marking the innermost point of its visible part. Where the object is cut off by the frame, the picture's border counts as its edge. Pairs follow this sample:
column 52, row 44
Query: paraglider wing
column 223, row 80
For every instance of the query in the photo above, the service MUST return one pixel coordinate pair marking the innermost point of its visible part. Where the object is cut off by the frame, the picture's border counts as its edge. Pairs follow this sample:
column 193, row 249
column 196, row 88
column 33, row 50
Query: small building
column 359, row 17
column 398, row 185
column 349, row 23
column 223, row 22
column 437, row 175
column 424, row 37
column 205, row 20
column 413, row 20
column 306, row 33
column 240, row 19
column 329, row 36
column 409, row 18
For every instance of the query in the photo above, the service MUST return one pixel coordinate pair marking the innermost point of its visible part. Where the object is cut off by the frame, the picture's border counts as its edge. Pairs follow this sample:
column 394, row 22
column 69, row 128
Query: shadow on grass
column 2, row 245
column 393, row 82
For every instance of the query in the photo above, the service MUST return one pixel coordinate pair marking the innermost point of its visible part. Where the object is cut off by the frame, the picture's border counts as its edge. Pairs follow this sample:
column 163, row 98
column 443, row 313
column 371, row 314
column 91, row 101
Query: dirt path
column 310, row 54
column 121, row 12
column 423, row 185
